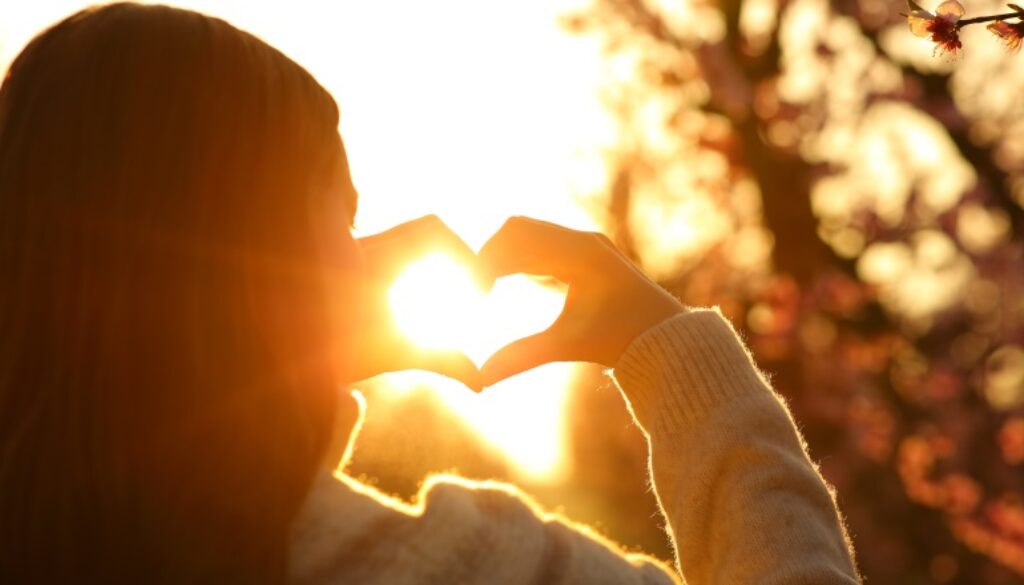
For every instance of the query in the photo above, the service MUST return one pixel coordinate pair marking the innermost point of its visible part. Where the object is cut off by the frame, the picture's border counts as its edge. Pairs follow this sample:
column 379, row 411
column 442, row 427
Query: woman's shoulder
column 344, row 520
column 456, row 530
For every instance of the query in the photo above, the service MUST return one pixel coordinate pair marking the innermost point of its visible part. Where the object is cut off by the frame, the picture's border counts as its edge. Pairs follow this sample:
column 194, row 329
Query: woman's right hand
column 383, row 346
column 610, row 301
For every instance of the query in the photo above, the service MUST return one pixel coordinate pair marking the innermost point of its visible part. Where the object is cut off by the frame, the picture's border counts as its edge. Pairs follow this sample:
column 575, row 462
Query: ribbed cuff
column 679, row 370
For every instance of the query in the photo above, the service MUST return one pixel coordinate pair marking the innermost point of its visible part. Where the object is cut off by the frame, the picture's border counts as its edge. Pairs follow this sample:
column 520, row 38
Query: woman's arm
column 743, row 500
column 744, row 503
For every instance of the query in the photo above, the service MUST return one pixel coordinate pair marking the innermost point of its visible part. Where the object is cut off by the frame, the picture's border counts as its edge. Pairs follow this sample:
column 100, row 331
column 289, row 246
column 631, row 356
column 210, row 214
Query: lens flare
column 437, row 304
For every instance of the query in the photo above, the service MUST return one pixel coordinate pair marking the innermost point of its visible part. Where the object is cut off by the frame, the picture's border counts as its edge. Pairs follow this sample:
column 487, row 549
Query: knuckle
column 594, row 242
column 427, row 225
column 515, row 220
column 511, row 225
column 437, row 232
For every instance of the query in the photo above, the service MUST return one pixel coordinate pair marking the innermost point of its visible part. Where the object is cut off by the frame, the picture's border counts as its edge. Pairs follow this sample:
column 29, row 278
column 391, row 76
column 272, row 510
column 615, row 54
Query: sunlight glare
column 522, row 417
column 437, row 305
column 435, row 302
column 466, row 122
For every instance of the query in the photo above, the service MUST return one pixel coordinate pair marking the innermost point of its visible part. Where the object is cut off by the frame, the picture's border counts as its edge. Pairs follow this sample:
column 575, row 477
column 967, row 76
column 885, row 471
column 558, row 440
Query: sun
column 437, row 304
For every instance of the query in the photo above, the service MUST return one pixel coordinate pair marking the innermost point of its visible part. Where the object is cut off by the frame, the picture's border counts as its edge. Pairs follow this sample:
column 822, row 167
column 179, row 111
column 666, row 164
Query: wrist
column 682, row 368
column 644, row 320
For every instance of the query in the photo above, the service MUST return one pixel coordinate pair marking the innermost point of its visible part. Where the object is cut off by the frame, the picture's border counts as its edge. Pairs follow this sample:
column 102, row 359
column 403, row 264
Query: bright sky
column 473, row 110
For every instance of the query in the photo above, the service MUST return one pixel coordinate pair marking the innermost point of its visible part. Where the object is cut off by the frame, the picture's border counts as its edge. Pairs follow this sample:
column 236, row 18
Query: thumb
column 519, row 356
column 453, row 364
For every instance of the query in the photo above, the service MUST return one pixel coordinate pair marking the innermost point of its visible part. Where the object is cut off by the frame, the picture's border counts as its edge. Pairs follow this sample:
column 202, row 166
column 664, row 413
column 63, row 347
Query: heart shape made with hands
column 437, row 305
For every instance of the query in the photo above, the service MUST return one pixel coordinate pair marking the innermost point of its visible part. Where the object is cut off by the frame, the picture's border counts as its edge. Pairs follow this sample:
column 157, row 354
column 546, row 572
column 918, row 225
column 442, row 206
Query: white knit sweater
column 744, row 503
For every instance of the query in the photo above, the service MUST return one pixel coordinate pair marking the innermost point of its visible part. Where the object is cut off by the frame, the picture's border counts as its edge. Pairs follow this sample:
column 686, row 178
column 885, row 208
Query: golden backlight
column 437, row 305
column 471, row 111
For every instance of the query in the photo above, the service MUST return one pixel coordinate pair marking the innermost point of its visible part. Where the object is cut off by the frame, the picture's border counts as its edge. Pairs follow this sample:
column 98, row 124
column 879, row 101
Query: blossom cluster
column 943, row 26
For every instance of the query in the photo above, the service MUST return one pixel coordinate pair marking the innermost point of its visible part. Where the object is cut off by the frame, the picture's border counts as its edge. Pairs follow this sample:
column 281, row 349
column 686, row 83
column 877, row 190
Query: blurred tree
column 854, row 203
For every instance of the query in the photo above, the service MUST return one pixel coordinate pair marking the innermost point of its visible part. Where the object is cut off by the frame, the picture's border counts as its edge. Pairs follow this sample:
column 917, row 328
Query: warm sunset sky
column 468, row 109
column 473, row 110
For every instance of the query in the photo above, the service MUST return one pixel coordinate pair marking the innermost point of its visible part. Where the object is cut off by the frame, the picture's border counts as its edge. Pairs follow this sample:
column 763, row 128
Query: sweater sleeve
column 744, row 503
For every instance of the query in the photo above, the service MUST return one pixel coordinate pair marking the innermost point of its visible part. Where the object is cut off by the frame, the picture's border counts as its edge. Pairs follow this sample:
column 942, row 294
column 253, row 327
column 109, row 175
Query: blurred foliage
column 854, row 204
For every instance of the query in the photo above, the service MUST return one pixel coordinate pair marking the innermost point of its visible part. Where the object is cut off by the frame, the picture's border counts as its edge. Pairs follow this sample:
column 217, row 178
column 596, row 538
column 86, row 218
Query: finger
column 401, row 230
column 435, row 236
column 431, row 234
column 519, row 356
column 531, row 246
column 453, row 364
column 392, row 250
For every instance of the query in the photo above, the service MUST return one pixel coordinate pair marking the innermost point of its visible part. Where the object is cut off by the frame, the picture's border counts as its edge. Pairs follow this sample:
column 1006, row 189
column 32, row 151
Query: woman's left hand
column 383, row 347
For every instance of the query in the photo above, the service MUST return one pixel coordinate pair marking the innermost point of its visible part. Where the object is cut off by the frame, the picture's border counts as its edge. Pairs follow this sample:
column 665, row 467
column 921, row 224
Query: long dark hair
column 165, row 388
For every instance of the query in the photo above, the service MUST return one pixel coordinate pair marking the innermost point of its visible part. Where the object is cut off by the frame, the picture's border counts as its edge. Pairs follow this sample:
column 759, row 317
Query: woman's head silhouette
column 174, row 260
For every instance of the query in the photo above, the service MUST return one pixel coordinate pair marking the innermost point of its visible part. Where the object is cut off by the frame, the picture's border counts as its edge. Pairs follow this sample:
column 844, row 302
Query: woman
column 182, row 300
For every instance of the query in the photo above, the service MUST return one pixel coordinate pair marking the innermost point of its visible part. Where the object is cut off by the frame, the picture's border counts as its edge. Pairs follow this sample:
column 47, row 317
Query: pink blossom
column 1010, row 33
column 942, row 26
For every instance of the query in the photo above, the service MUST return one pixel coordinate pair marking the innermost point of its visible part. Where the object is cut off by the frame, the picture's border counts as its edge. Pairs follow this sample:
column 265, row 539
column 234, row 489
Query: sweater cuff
column 679, row 370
